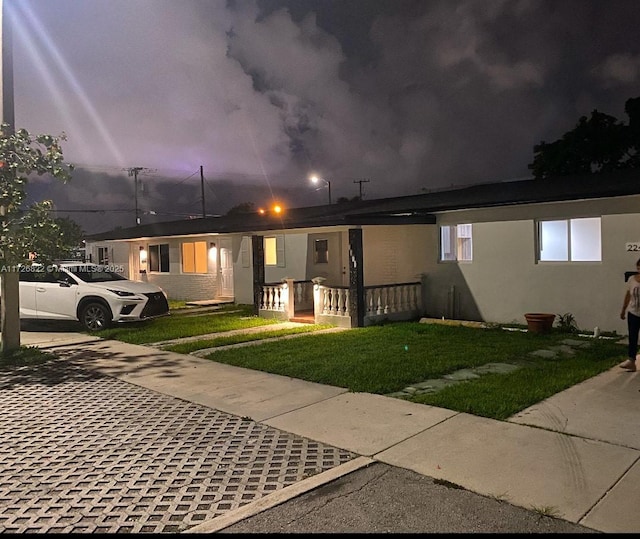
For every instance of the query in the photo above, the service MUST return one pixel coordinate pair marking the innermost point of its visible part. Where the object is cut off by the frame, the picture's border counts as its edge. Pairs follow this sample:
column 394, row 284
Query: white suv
column 90, row 293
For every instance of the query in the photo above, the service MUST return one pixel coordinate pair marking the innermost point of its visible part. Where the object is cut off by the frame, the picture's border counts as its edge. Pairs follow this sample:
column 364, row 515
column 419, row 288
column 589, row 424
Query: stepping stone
column 564, row 349
column 430, row 386
column 499, row 368
column 544, row 353
column 462, row 374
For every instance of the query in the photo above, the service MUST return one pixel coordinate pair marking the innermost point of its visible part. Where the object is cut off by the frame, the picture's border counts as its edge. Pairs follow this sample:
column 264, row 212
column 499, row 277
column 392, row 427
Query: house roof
column 398, row 210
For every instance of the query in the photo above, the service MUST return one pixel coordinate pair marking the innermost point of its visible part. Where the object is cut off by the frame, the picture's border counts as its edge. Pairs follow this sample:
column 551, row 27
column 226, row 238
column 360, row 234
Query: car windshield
column 94, row 274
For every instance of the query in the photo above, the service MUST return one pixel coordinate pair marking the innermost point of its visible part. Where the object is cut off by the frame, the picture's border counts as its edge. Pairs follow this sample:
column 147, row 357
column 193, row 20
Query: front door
column 226, row 271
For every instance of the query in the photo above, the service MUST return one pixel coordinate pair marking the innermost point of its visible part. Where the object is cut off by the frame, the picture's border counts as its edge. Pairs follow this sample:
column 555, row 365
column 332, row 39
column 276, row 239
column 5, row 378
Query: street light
column 316, row 179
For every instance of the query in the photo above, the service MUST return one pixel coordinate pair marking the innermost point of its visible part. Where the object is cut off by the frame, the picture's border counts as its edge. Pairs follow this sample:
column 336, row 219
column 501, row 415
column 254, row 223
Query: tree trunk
column 10, row 310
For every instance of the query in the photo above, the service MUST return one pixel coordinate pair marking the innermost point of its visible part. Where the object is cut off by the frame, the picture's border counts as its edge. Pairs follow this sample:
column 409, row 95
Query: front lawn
column 386, row 359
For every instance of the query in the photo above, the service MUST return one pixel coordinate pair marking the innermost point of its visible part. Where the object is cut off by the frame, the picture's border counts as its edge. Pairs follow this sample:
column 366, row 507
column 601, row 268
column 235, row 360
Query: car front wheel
column 95, row 316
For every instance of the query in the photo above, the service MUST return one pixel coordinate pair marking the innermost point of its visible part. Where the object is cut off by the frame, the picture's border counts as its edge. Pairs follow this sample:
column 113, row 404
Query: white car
column 93, row 294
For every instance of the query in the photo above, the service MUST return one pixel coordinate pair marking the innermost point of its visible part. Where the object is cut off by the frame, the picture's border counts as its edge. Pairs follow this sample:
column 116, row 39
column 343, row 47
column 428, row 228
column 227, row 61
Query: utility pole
column 134, row 171
column 9, row 282
column 202, row 189
column 7, row 111
column 360, row 182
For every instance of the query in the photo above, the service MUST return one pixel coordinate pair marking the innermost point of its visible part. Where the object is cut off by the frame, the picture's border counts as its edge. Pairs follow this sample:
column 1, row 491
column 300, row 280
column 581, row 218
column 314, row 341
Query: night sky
column 411, row 95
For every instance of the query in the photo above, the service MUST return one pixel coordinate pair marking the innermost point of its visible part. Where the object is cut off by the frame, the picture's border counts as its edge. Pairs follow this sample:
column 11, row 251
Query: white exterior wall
column 118, row 254
column 295, row 257
column 242, row 269
column 177, row 285
column 504, row 281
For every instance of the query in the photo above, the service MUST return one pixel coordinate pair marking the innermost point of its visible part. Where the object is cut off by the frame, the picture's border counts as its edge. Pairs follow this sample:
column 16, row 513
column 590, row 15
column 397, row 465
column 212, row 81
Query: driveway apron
column 84, row 452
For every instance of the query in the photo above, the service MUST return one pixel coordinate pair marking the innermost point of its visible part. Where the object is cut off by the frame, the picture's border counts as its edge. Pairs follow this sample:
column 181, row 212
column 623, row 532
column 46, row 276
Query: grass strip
column 225, row 340
column 175, row 327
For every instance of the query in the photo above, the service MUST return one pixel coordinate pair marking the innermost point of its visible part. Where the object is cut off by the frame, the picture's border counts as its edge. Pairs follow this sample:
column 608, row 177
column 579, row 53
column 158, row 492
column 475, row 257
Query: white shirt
column 634, row 301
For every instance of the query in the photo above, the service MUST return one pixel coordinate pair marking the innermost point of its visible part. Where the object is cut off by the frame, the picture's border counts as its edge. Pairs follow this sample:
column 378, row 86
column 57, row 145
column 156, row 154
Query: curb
column 282, row 496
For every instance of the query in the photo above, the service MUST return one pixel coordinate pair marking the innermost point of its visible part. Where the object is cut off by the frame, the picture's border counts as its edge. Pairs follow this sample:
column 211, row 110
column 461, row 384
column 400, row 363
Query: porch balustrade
column 282, row 300
column 330, row 304
column 393, row 299
column 273, row 297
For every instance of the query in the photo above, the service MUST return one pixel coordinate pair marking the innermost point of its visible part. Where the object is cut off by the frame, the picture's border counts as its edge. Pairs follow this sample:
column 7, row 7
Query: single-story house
column 489, row 252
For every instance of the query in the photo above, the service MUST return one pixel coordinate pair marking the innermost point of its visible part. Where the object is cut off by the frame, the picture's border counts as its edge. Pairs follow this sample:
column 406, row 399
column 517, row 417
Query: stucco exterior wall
column 504, row 280
column 295, row 249
column 242, row 270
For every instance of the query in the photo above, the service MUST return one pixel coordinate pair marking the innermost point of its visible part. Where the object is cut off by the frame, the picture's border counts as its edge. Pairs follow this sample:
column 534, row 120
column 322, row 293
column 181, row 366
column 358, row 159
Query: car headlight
column 121, row 293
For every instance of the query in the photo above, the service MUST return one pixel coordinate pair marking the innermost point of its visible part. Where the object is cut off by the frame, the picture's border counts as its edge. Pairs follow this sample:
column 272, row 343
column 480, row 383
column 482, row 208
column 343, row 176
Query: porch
column 337, row 306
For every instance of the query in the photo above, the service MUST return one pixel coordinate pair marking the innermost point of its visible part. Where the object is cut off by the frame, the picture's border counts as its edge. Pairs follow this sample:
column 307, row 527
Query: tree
column 347, row 200
column 243, row 207
column 597, row 144
column 29, row 234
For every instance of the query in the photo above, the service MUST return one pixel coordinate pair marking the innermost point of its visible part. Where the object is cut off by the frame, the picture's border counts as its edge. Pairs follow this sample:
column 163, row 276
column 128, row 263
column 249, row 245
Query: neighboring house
column 490, row 252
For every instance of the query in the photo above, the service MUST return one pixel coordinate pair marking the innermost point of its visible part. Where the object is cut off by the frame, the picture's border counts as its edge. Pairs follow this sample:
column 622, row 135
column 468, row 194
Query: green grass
column 175, row 304
column 188, row 347
column 501, row 395
column 175, row 326
column 385, row 359
column 25, row 355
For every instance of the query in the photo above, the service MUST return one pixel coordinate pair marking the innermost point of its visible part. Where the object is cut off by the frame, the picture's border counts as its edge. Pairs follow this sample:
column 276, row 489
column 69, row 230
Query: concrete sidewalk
column 575, row 455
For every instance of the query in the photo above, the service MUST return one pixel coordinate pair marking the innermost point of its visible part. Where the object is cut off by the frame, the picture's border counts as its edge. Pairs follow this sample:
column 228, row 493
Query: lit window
column 456, row 242
column 194, row 257
column 570, row 240
column 274, row 251
column 270, row 252
column 159, row 258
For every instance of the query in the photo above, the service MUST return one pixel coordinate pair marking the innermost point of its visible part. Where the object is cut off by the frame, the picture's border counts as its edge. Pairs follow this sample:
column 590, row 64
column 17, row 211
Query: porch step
column 303, row 318
column 209, row 302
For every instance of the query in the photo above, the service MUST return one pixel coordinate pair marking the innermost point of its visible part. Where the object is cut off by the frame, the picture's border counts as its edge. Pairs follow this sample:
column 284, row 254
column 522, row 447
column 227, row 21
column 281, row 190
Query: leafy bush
column 567, row 323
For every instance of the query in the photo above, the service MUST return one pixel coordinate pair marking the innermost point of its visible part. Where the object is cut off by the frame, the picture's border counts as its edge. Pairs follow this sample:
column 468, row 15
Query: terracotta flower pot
column 539, row 322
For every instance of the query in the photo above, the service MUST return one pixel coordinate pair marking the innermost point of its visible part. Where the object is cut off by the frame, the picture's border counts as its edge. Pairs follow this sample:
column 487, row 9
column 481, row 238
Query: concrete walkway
column 574, row 456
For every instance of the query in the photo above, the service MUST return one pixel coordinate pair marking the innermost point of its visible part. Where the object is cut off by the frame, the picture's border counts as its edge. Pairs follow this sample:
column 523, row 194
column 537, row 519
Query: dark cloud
column 410, row 94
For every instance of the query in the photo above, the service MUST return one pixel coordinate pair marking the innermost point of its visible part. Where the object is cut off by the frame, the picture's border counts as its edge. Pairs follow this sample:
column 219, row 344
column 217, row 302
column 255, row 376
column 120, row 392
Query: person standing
column 631, row 309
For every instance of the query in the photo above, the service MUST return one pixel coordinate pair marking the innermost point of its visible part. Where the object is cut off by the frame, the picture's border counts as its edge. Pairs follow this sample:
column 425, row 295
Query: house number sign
column 633, row 246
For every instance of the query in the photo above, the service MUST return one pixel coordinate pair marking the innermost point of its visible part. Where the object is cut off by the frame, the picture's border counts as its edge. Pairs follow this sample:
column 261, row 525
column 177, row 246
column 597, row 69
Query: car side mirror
column 64, row 284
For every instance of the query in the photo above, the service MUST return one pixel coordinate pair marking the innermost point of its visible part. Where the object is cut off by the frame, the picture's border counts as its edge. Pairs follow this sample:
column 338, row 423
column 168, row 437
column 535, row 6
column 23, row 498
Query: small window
column 570, row 240
column 103, row 255
column 159, row 258
column 321, row 252
column 194, row 257
column 456, row 243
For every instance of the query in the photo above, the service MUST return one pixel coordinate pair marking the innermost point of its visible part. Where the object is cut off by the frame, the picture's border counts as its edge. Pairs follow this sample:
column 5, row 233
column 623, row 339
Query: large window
column 159, row 258
column 456, row 242
column 194, row 257
column 570, row 240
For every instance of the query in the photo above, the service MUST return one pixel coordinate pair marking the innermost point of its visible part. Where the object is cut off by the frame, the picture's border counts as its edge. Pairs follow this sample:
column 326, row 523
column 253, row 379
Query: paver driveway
column 83, row 452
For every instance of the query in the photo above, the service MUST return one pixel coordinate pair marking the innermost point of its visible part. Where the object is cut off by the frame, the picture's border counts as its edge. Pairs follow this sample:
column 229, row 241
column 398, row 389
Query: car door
column 56, row 296
column 27, row 293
